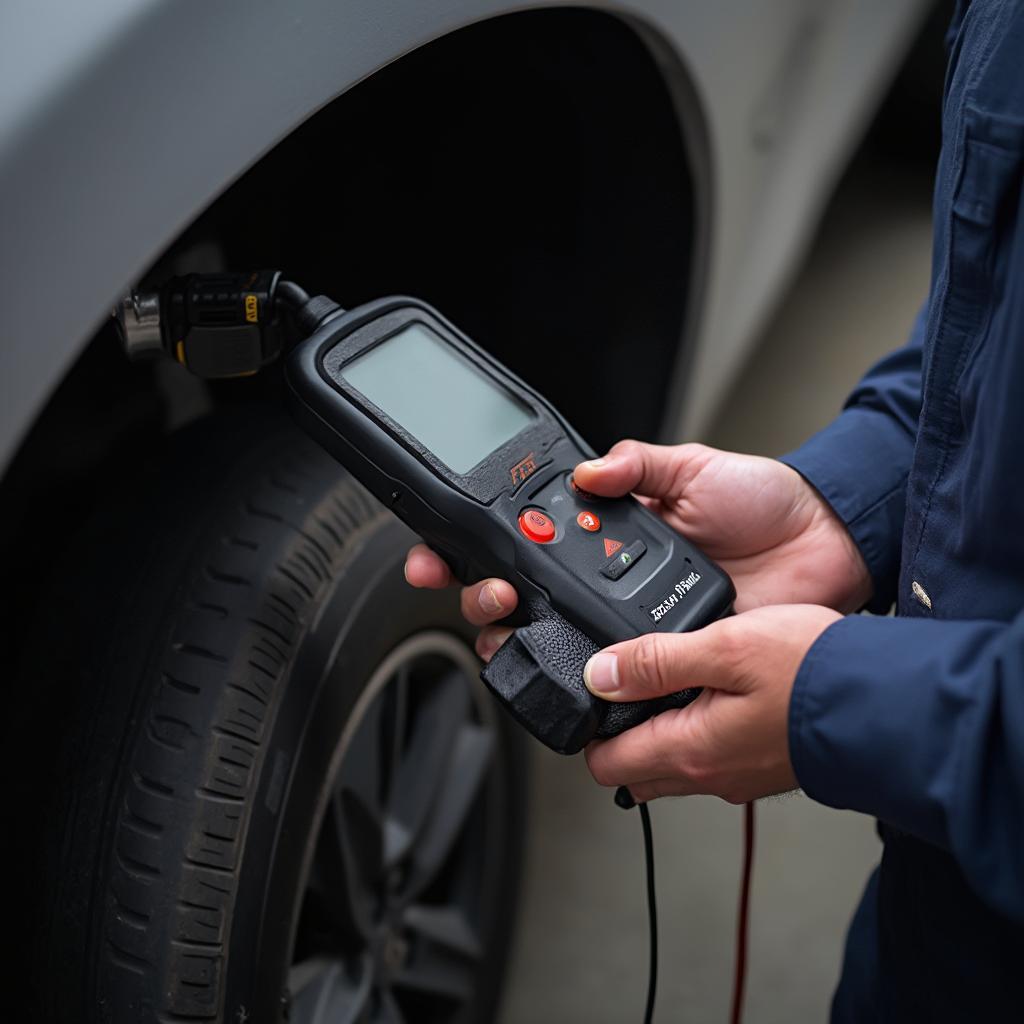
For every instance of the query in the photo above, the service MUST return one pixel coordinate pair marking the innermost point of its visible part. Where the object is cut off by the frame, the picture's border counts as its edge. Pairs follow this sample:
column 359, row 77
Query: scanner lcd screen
column 443, row 400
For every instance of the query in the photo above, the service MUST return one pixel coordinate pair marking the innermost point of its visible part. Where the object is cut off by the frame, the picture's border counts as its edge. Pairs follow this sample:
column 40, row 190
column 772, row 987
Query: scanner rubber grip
column 538, row 675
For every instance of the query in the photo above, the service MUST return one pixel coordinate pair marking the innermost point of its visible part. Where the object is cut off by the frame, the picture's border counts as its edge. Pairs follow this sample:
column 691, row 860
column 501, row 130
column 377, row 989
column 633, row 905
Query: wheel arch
column 73, row 164
column 634, row 247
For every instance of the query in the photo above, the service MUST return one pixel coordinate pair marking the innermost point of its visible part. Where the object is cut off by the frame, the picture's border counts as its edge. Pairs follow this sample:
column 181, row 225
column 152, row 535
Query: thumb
column 649, row 469
column 657, row 664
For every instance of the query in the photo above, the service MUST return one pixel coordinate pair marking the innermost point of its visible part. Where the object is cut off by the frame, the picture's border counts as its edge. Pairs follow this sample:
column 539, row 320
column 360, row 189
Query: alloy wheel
column 390, row 923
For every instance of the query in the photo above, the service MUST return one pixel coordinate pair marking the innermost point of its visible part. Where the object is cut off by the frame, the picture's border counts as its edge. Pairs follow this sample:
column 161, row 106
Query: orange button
column 589, row 521
column 537, row 526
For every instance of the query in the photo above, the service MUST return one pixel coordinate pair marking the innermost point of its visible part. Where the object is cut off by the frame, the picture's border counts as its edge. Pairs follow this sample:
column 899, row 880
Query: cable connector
column 315, row 311
column 220, row 325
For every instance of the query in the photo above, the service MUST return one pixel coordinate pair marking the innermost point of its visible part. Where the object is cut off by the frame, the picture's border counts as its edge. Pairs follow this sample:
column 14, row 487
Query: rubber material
column 164, row 718
column 538, row 675
column 652, row 914
column 743, row 917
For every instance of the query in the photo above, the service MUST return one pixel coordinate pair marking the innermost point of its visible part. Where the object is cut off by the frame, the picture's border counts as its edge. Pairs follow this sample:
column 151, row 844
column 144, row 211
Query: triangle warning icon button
column 611, row 546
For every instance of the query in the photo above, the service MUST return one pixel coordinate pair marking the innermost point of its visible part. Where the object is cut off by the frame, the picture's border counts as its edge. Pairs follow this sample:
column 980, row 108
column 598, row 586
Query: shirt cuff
column 859, row 464
column 878, row 714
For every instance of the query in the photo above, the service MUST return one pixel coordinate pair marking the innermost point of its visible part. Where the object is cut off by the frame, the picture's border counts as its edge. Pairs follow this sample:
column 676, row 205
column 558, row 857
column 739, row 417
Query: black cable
column 291, row 294
column 743, row 917
column 307, row 312
column 652, row 912
column 312, row 313
column 624, row 799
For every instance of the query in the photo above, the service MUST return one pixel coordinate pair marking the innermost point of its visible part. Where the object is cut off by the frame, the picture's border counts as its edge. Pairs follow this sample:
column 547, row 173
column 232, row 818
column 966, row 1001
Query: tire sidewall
column 182, row 868
column 368, row 612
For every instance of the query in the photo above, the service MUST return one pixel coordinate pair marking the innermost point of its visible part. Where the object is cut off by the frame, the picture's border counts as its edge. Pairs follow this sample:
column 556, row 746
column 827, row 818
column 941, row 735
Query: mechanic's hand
column 757, row 518
column 732, row 741
column 760, row 520
column 482, row 603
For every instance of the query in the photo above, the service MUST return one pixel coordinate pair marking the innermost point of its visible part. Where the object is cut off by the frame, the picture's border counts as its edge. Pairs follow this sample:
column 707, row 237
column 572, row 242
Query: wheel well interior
column 525, row 174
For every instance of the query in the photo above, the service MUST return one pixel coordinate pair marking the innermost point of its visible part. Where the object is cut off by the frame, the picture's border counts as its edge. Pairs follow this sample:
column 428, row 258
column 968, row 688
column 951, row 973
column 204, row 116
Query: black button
column 578, row 492
column 618, row 566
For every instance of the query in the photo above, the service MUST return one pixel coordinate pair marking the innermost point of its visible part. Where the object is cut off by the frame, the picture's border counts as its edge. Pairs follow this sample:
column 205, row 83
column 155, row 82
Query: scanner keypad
column 624, row 560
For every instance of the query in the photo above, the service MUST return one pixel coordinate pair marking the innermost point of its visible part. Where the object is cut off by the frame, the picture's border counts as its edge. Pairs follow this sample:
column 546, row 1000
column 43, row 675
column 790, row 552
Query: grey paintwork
column 120, row 120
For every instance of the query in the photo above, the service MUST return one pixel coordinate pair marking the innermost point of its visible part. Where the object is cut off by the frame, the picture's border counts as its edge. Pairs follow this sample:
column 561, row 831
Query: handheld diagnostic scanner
column 481, row 466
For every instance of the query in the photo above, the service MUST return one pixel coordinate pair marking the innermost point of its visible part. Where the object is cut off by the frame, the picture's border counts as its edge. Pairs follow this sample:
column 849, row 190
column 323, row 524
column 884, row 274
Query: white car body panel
column 120, row 121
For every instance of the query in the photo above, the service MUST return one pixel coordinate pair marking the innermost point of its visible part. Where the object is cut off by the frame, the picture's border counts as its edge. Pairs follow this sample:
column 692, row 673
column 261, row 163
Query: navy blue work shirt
column 918, row 719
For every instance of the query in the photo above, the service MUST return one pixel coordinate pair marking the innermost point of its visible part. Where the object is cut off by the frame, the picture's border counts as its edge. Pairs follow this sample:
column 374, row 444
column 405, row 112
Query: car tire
column 276, row 790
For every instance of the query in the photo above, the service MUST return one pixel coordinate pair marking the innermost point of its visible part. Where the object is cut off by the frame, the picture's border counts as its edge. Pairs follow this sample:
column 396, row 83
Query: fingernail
column 489, row 601
column 596, row 463
column 405, row 572
column 601, row 674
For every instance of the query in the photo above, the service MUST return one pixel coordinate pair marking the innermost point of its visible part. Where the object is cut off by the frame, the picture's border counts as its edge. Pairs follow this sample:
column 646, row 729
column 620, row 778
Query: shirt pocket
column 982, row 218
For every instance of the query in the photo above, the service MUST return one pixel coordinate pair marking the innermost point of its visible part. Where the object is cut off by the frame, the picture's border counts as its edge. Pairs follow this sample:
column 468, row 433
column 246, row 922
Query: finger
column 638, row 755
column 650, row 469
column 487, row 601
column 645, row 792
column 490, row 639
column 660, row 663
column 426, row 568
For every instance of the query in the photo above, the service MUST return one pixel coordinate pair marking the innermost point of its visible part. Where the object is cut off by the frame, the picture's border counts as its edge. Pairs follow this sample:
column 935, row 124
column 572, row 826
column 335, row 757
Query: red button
column 537, row 526
column 589, row 521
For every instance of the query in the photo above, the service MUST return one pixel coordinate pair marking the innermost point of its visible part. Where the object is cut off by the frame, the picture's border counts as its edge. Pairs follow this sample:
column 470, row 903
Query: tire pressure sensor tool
column 480, row 465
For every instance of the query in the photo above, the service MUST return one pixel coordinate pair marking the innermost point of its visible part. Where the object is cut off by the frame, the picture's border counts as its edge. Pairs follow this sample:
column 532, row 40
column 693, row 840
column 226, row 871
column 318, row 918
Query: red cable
column 743, row 916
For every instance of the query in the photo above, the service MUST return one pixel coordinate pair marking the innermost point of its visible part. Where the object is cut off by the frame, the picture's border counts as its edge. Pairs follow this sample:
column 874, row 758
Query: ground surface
column 581, row 952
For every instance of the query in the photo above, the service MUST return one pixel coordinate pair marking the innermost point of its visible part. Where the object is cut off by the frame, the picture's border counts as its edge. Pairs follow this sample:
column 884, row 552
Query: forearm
column 921, row 723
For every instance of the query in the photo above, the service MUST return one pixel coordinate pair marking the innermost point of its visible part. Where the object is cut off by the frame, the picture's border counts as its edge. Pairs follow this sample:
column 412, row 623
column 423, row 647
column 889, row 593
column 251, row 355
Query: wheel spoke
column 373, row 941
column 471, row 755
column 423, row 770
column 351, row 864
column 445, row 926
column 323, row 993
column 444, row 954
column 334, row 900
column 347, row 869
column 388, row 1010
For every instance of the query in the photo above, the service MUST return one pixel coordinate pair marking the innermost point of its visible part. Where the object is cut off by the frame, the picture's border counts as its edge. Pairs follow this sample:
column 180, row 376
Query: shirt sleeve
column 860, row 462
column 921, row 723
